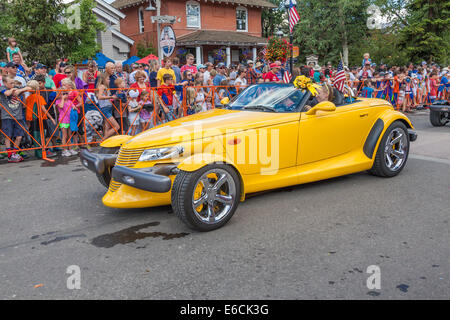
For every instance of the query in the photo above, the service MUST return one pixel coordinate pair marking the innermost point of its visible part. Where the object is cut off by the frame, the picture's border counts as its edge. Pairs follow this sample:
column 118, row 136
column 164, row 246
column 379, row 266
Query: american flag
column 339, row 78
column 263, row 52
column 287, row 77
column 294, row 18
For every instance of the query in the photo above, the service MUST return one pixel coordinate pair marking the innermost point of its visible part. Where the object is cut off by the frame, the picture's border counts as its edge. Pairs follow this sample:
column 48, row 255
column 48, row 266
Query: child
column 12, row 49
column 165, row 93
column 12, row 116
column 145, row 116
column 133, row 111
column 120, row 110
column 32, row 103
column 74, row 116
column 207, row 105
column 433, row 86
column 366, row 59
column 368, row 90
column 190, row 101
column 221, row 92
column 65, row 106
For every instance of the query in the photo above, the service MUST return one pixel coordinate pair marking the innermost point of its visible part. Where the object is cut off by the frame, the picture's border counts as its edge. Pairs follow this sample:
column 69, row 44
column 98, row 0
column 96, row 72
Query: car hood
column 207, row 124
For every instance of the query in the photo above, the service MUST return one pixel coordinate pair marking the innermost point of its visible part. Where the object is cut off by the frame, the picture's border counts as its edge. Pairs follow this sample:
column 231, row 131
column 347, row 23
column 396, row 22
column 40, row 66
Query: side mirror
column 326, row 106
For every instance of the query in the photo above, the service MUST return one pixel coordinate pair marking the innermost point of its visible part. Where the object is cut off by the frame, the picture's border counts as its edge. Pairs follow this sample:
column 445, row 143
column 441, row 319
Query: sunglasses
column 68, row 72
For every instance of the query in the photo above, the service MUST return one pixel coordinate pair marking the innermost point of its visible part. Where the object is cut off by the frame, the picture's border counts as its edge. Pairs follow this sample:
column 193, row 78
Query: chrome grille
column 113, row 185
column 128, row 157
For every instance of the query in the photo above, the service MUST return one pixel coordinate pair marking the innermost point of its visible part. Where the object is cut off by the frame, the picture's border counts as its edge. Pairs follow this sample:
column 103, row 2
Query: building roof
column 212, row 37
column 119, row 4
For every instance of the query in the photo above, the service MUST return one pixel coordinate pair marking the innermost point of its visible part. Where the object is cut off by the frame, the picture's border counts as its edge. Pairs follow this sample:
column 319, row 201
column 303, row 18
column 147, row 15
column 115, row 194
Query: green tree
column 145, row 48
column 327, row 28
column 273, row 19
column 47, row 30
column 426, row 33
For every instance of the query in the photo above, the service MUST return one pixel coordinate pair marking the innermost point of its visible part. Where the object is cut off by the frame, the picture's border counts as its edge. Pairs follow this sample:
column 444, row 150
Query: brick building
column 209, row 29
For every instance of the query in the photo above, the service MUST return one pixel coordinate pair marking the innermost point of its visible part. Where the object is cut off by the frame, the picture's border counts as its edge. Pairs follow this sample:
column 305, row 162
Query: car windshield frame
column 270, row 95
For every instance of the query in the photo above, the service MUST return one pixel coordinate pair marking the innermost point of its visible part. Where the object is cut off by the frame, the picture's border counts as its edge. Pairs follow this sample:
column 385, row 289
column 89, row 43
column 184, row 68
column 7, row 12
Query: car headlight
column 161, row 153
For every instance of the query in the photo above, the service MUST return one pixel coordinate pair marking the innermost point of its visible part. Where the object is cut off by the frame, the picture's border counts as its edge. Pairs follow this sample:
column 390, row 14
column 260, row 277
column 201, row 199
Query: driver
column 325, row 93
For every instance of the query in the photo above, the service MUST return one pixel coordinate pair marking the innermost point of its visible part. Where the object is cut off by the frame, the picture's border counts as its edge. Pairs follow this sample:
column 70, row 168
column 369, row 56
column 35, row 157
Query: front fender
column 385, row 119
column 389, row 116
column 200, row 160
column 116, row 141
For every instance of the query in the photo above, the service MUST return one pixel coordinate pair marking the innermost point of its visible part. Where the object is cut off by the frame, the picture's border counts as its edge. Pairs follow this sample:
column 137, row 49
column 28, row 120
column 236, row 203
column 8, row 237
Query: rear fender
column 116, row 141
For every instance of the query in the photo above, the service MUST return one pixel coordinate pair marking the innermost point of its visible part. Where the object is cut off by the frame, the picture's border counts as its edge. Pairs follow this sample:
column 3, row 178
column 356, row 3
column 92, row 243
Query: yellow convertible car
column 269, row 136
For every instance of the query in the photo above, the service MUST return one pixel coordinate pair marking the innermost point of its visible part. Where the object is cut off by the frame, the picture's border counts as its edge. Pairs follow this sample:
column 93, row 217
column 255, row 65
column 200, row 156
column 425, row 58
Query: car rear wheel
column 105, row 177
column 392, row 152
column 206, row 199
column 438, row 119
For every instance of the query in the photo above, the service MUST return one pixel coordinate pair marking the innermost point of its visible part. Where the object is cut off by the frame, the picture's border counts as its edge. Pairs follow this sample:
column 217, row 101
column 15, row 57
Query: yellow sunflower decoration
column 303, row 82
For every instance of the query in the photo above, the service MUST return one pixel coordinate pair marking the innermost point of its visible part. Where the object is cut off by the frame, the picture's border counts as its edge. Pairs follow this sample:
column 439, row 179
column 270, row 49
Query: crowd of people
column 132, row 98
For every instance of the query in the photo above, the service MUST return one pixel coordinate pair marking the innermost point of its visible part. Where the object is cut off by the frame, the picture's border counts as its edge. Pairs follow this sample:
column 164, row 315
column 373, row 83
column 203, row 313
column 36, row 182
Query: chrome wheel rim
column 395, row 151
column 213, row 196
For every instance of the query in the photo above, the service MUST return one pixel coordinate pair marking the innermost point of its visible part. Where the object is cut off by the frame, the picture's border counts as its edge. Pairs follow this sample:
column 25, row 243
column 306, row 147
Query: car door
column 330, row 134
column 266, row 149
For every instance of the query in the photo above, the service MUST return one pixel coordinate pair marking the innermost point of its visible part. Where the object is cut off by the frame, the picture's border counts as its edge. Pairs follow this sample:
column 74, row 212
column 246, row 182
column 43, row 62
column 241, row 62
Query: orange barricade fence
column 66, row 119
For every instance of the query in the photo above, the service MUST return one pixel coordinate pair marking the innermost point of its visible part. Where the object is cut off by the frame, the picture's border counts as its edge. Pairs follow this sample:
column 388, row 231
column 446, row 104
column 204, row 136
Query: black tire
column 105, row 178
column 380, row 168
column 183, row 197
column 436, row 118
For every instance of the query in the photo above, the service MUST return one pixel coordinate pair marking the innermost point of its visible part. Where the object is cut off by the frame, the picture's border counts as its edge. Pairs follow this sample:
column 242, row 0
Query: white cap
column 133, row 93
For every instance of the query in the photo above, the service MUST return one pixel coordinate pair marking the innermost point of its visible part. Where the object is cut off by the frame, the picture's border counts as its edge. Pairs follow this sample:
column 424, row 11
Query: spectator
column 60, row 75
column 133, row 111
column 241, row 80
column 13, row 49
column 12, row 116
column 154, row 67
column 189, row 64
column 165, row 92
column 176, row 69
column 140, row 85
column 131, row 78
column 166, row 70
column 11, row 69
column 120, row 73
column 206, row 75
column 252, row 75
column 271, row 76
column 221, row 69
column 104, row 96
column 145, row 116
column 201, row 68
column 90, row 76
column 69, row 71
column 366, row 59
column 42, row 70
column 22, row 68
column 120, row 110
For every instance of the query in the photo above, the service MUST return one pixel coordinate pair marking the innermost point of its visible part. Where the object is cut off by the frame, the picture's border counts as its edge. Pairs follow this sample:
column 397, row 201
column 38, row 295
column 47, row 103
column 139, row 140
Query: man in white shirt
column 207, row 75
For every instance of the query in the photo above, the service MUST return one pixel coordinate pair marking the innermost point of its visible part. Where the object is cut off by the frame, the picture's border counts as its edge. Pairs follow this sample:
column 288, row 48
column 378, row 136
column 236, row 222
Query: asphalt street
column 314, row 241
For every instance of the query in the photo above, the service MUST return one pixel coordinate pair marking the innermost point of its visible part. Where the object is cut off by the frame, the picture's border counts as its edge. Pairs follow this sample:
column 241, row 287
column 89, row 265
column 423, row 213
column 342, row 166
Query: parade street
column 314, row 241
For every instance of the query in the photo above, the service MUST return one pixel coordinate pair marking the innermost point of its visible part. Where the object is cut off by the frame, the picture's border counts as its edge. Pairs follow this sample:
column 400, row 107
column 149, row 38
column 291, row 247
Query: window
column 241, row 19
column 192, row 14
column 141, row 20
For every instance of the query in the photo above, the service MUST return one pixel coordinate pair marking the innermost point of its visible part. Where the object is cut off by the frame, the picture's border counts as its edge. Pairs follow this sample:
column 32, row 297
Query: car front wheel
column 206, row 199
column 392, row 152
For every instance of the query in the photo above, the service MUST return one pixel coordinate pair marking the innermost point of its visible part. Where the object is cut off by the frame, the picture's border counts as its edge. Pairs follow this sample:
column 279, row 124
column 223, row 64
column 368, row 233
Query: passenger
column 325, row 93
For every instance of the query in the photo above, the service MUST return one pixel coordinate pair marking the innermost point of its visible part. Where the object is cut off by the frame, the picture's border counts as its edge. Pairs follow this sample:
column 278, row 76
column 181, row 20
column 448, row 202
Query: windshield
column 279, row 97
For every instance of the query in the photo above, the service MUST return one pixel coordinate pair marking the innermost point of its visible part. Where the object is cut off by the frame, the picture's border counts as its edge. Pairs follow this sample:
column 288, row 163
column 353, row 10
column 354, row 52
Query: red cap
column 273, row 65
